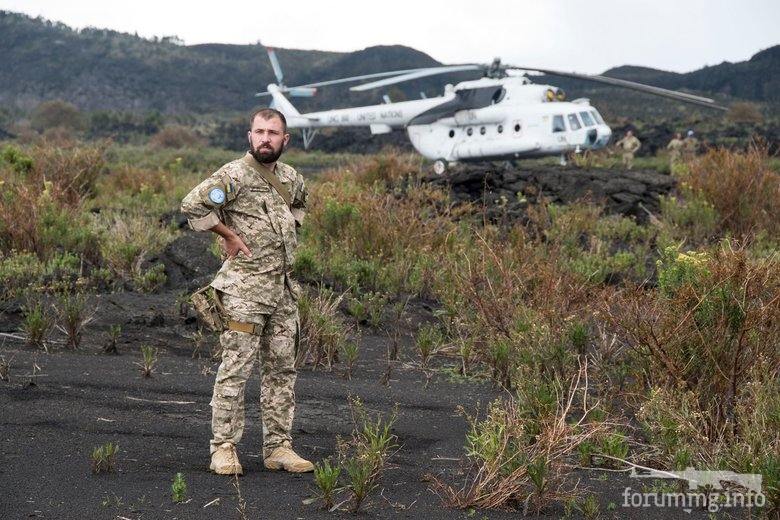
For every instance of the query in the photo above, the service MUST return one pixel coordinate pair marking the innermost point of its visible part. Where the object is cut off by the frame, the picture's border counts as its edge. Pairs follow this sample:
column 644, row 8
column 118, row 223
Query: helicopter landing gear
column 563, row 161
column 440, row 167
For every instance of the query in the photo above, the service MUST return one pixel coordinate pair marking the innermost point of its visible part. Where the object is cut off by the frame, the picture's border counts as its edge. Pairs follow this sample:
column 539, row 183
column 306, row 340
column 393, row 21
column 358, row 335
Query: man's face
column 267, row 139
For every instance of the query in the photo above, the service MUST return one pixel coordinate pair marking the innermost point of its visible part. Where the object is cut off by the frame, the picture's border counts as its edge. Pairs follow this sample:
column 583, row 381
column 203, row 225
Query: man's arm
column 202, row 207
column 298, row 206
column 232, row 243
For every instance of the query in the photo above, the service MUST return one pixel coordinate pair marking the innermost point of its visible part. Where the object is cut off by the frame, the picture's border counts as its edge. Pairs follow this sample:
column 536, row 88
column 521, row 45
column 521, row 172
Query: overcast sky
column 577, row 35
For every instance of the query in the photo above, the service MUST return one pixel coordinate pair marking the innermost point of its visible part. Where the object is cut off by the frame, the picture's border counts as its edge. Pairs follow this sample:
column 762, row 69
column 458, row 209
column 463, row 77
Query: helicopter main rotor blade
column 421, row 73
column 275, row 65
column 344, row 80
column 649, row 89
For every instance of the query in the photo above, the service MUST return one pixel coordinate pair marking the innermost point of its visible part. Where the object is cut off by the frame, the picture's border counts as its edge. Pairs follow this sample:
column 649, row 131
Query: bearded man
column 255, row 204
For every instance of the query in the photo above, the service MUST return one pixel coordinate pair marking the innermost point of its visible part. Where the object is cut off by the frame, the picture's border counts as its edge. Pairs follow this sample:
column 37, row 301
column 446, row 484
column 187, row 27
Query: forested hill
column 103, row 69
column 98, row 69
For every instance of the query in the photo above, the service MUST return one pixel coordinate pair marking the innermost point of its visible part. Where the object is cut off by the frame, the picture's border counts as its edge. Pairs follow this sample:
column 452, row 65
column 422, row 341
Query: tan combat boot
column 224, row 460
column 285, row 458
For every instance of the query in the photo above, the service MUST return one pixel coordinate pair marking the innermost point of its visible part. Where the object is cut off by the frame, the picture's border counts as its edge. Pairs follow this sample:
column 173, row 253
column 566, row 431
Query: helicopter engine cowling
column 484, row 116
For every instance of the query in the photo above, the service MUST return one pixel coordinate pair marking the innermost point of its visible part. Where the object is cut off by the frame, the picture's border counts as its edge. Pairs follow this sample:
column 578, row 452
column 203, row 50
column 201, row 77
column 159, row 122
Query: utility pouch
column 209, row 308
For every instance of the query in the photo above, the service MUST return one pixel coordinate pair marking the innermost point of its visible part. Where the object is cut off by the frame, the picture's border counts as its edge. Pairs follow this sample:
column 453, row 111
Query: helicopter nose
column 604, row 134
column 591, row 137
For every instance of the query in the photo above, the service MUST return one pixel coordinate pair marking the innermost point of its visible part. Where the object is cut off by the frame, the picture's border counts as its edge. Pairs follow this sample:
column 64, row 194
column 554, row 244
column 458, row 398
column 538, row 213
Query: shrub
column 323, row 331
column 149, row 360
column 362, row 458
column 707, row 340
column 350, row 351
column 56, row 113
column 326, row 477
column 692, row 218
column 104, row 458
column 371, row 445
column 744, row 112
column 179, row 488
column 429, row 339
column 20, row 272
column 176, row 136
column 37, row 323
column 20, row 162
column 306, row 265
column 151, row 279
column 40, row 209
column 742, row 187
column 113, row 336
column 126, row 241
column 73, row 316
column 519, row 452
column 388, row 167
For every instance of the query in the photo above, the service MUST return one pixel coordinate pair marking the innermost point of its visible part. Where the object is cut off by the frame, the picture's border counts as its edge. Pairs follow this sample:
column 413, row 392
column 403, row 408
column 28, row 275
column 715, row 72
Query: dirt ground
column 59, row 405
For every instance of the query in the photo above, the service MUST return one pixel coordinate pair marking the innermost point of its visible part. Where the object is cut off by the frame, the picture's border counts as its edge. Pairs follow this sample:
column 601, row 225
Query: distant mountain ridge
column 98, row 69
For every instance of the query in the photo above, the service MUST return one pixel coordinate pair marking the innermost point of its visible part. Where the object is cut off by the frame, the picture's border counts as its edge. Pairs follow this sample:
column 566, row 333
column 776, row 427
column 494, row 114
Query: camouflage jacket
column 629, row 144
column 690, row 145
column 675, row 145
column 239, row 197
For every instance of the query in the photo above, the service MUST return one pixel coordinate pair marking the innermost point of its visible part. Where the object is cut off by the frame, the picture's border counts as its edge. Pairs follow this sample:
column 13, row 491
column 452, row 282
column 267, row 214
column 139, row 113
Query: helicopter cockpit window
column 469, row 131
column 558, row 124
column 597, row 116
column 587, row 119
column 574, row 122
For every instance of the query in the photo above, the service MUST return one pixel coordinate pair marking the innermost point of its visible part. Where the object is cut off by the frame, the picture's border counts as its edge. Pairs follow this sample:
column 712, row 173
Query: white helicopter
column 501, row 116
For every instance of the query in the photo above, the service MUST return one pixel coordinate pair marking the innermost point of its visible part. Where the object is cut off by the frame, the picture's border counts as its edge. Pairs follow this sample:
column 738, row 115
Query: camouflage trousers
column 275, row 348
column 628, row 160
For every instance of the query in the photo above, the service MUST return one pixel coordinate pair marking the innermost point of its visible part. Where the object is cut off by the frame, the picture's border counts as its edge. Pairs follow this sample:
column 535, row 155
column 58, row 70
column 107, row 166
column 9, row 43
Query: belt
column 240, row 326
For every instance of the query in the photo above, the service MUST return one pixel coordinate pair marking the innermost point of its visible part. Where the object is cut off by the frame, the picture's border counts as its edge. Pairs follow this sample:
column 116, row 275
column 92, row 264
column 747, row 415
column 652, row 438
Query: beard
column 267, row 155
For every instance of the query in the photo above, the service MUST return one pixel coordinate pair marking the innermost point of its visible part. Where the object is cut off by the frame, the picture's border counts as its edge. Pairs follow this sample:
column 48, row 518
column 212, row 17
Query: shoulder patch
column 217, row 195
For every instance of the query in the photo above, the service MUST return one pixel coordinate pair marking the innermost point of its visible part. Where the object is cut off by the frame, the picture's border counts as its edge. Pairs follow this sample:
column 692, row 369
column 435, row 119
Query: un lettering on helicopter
column 501, row 116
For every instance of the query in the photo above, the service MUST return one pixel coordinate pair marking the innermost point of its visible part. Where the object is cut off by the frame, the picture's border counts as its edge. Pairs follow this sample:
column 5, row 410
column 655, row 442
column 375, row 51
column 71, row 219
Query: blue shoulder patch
column 217, row 195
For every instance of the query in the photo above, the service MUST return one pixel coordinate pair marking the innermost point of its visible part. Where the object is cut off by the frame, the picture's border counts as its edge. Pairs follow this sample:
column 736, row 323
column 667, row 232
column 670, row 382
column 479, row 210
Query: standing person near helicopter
column 674, row 148
column 629, row 145
column 255, row 204
column 690, row 146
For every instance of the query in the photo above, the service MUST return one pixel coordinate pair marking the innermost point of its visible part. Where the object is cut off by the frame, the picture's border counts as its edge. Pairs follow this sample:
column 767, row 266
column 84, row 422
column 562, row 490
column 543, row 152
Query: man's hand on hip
column 231, row 243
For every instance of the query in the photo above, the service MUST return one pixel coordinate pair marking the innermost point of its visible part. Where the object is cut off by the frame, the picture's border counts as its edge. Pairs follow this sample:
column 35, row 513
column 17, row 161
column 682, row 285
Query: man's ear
column 249, row 138
column 286, row 141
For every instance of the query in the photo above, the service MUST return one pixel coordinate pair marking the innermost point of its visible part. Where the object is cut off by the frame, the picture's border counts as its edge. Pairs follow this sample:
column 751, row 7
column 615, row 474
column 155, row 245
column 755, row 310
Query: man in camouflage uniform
column 255, row 204
column 630, row 145
column 675, row 149
column 690, row 146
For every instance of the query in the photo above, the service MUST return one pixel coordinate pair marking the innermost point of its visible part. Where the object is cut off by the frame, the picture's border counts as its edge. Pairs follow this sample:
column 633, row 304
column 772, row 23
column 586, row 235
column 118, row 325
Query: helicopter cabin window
column 574, row 122
column 482, row 131
column 500, row 129
column 558, row 124
column 587, row 119
column 498, row 95
column 452, row 133
column 597, row 116
column 517, row 127
column 469, row 131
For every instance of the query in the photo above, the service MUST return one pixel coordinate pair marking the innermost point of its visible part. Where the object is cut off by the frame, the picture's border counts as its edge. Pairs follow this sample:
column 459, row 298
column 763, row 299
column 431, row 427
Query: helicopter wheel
column 440, row 167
